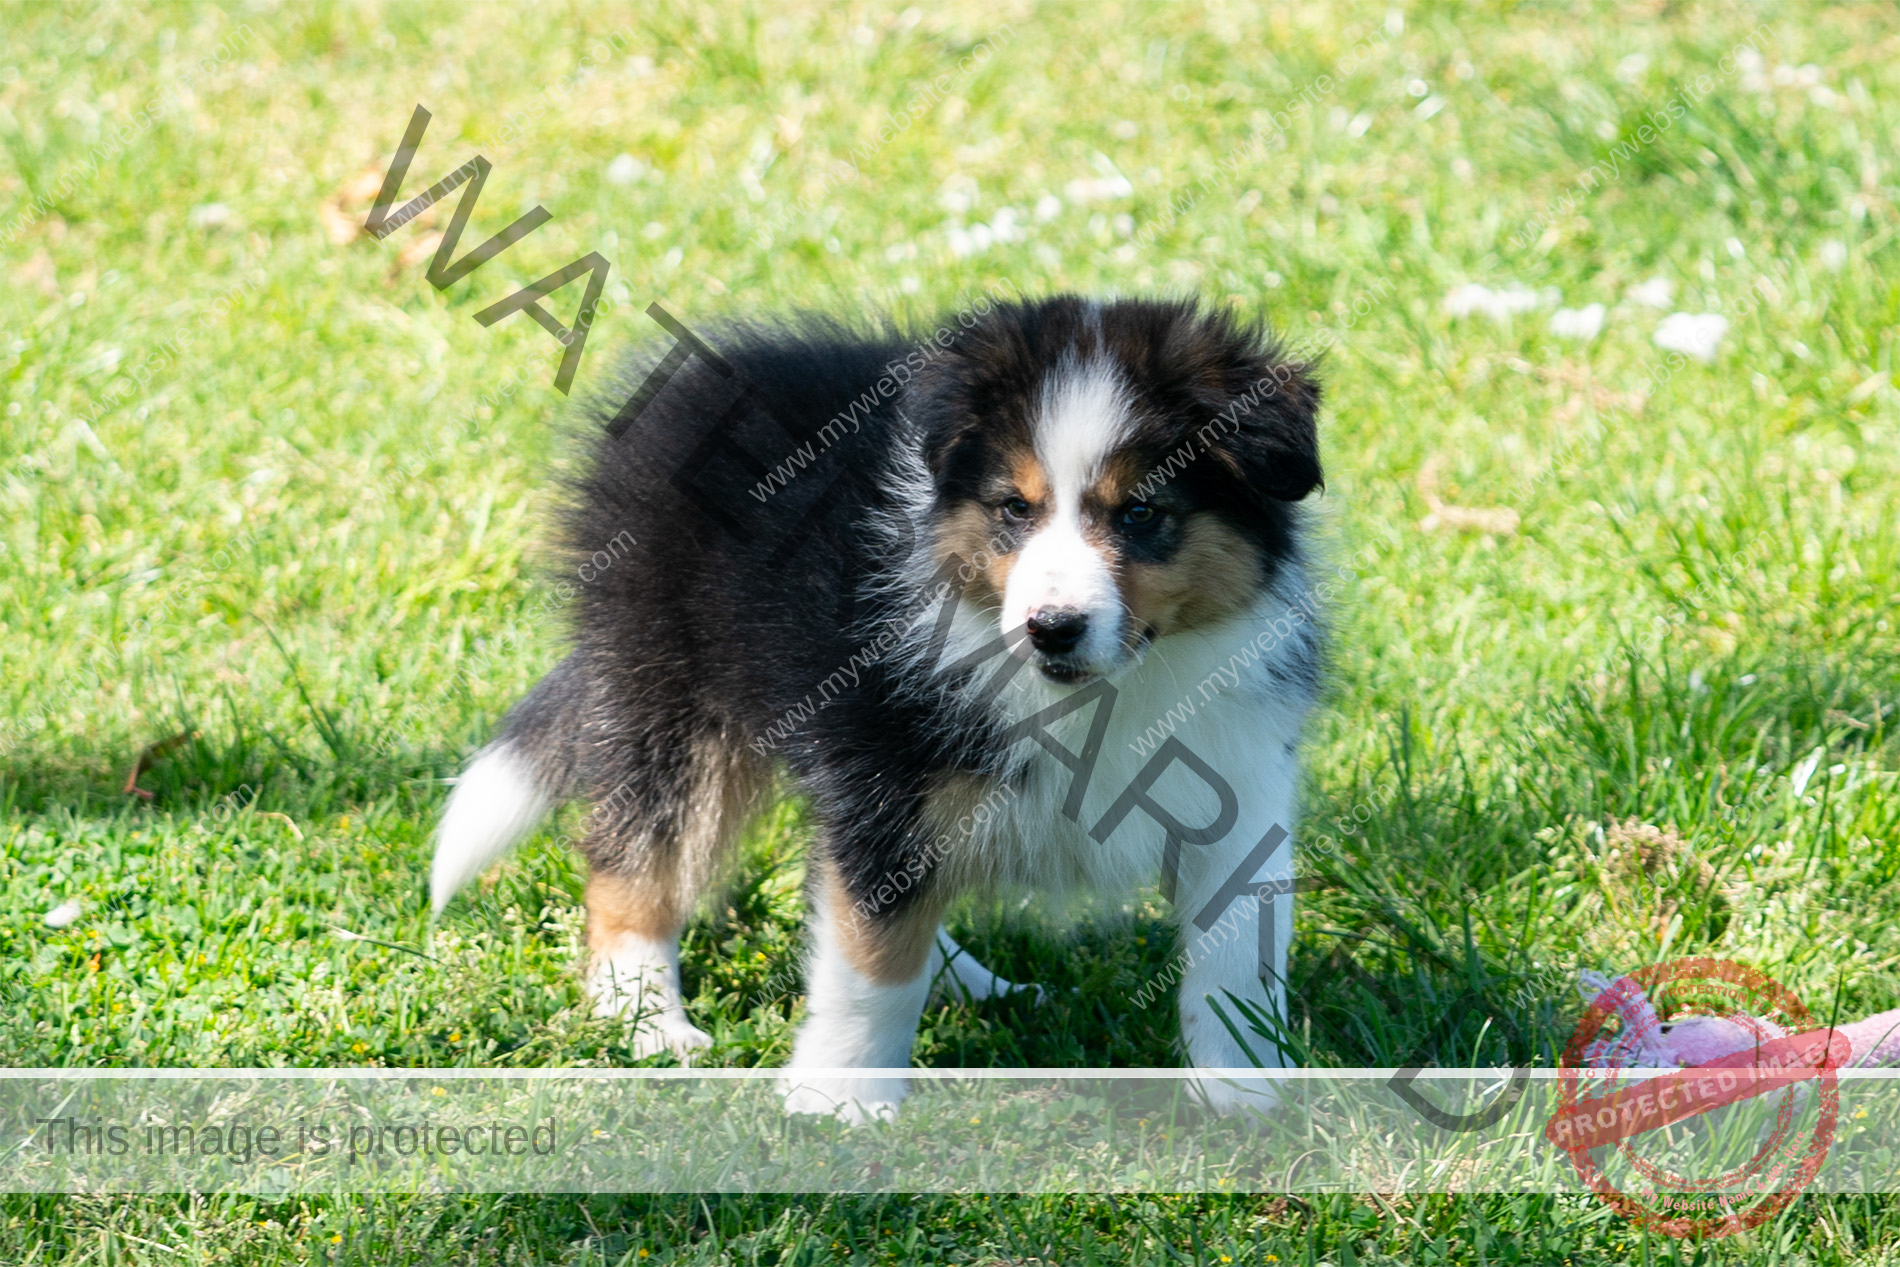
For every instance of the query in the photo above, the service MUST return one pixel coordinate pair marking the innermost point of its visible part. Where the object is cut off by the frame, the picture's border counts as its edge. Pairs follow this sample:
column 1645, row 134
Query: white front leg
column 856, row 1031
column 1234, row 904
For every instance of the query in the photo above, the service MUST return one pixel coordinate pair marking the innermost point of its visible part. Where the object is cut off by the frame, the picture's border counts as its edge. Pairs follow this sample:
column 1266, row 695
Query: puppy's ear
column 1267, row 431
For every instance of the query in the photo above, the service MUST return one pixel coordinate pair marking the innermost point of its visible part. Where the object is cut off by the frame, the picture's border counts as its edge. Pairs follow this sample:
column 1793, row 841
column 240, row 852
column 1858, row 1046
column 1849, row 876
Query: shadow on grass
column 1435, row 933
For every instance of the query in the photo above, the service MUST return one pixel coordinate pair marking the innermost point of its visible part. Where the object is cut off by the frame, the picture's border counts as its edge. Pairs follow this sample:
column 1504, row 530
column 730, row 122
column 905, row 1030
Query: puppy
column 1020, row 603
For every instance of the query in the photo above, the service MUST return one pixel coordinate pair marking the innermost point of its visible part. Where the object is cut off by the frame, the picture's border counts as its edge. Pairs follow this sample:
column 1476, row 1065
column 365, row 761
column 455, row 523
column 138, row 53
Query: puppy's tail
column 511, row 784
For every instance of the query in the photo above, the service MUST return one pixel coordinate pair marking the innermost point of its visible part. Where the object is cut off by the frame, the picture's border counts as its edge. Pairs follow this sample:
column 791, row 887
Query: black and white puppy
column 1021, row 604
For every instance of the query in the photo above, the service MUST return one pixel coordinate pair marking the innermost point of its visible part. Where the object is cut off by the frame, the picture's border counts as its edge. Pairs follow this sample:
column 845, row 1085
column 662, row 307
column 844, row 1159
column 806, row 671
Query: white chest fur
column 1205, row 725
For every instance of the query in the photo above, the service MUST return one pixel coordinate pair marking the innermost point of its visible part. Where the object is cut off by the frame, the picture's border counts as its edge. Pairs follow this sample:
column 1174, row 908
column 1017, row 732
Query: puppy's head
column 1115, row 473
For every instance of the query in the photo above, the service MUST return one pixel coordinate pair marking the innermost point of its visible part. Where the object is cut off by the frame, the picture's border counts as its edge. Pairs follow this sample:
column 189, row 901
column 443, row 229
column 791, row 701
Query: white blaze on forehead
column 1085, row 417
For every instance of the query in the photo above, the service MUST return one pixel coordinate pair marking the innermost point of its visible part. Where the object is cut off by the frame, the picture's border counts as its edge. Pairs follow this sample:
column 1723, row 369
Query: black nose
column 1055, row 630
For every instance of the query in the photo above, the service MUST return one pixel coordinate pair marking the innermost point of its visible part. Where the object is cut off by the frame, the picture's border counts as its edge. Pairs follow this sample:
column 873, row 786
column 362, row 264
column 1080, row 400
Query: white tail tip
column 495, row 803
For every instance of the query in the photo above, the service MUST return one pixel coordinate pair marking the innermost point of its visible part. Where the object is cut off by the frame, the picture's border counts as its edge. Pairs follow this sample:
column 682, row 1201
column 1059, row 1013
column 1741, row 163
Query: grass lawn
column 1615, row 678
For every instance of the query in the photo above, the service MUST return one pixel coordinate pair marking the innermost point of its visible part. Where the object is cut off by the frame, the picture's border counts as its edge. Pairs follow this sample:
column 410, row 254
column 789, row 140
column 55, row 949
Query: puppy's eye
column 1140, row 515
column 1015, row 508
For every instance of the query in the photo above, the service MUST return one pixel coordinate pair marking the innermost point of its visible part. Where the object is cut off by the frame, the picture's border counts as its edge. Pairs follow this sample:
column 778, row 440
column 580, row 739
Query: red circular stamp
column 1733, row 1035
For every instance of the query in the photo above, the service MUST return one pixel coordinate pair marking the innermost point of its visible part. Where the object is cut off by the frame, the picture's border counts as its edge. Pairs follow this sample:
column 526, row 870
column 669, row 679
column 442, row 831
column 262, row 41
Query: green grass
column 1495, row 712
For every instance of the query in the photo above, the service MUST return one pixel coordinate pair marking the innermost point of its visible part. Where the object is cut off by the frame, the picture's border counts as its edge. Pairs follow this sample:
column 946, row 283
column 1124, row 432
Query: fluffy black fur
column 730, row 610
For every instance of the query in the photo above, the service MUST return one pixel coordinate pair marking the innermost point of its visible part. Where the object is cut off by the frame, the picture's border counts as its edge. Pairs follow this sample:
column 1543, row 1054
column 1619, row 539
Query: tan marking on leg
column 658, row 878
column 1214, row 574
column 891, row 947
column 957, row 843
column 639, row 906
column 729, row 787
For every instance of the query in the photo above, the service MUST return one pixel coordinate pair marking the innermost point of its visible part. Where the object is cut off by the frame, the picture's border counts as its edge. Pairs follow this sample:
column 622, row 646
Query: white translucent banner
column 1662, row 1136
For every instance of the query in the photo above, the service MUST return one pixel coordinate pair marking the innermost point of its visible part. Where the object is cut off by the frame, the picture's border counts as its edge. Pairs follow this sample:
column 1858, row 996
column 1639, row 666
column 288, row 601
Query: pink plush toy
column 1646, row 1042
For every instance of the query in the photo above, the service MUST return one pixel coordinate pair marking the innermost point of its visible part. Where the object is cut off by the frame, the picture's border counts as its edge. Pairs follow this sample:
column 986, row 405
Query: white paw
column 955, row 972
column 997, row 989
column 1230, row 1096
column 659, row 1025
column 855, row 1100
column 676, row 1034
column 1003, row 988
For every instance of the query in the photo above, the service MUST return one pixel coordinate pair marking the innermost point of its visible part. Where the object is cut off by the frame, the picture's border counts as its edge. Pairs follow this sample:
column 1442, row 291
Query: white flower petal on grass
column 1496, row 304
column 980, row 237
column 1097, row 188
column 1578, row 323
column 1833, row 255
column 1696, row 334
column 1750, row 62
column 63, row 915
column 958, row 196
column 1468, row 297
column 625, row 169
column 1654, row 293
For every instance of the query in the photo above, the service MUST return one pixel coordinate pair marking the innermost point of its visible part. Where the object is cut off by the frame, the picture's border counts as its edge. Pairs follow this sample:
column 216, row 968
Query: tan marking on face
column 1214, row 574
column 1121, row 475
column 1030, row 479
column 968, row 536
column 889, row 948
